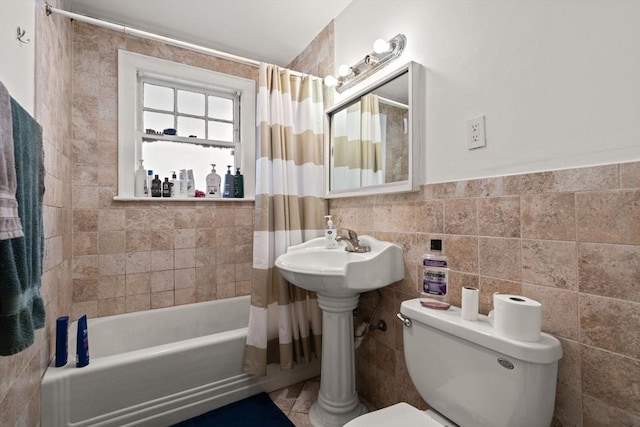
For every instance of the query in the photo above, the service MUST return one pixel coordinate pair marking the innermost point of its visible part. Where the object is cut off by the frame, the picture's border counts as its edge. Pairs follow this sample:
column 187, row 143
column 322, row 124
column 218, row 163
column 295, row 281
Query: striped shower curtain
column 347, row 149
column 357, row 136
column 285, row 322
column 371, row 140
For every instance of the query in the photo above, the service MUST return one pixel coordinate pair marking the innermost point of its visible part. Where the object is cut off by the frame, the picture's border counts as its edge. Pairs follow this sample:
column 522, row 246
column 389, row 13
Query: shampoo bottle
column 183, row 183
column 229, row 185
column 141, row 189
column 82, row 343
column 330, row 234
column 156, row 187
column 435, row 275
column 62, row 340
column 213, row 183
column 166, row 188
column 238, row 182
column 175, row 185
column 191, row 188
column 149, row 182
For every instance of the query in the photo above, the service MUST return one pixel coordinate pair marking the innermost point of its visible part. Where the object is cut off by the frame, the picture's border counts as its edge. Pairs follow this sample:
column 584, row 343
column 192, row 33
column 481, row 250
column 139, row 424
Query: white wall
column 17, row 60
column 558, row 81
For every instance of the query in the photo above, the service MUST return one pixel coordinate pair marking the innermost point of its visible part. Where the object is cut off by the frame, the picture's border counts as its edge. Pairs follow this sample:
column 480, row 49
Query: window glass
column 220, row 108
column 221, row 131
column 158, row 97
column 190, row 103
column 188, row 126
column 165, row 157
column 157, row 121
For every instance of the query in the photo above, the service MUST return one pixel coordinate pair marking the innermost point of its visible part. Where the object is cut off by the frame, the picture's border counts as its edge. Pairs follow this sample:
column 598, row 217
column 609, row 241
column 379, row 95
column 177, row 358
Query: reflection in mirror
column 370, row 139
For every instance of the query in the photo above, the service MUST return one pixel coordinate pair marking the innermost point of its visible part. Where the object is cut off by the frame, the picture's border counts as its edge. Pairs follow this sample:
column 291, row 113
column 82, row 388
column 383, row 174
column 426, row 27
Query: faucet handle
column 350, row 234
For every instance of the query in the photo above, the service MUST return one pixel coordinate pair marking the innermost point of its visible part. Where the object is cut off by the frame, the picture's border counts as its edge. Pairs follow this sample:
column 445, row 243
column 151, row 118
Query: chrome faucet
column 350, row 237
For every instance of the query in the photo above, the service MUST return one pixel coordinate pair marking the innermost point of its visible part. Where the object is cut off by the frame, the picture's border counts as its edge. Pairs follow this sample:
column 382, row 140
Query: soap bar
column 438, row 305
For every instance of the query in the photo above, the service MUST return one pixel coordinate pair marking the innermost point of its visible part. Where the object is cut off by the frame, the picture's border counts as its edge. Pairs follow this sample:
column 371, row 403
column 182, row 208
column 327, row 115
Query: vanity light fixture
column 384, row 51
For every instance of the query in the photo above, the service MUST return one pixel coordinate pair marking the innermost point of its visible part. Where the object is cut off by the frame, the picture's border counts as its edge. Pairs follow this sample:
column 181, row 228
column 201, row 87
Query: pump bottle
column 141, row 189
column 330, row 234
column 238, row 182
column 175, row 185
column 213, row 183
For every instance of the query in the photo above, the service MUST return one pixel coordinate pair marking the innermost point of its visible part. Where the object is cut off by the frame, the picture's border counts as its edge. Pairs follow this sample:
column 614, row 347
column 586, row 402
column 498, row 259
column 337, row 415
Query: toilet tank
column 475, row 377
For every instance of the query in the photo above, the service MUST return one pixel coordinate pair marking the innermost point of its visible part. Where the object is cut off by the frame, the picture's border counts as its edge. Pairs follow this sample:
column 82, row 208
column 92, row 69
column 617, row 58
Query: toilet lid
column 400, row 414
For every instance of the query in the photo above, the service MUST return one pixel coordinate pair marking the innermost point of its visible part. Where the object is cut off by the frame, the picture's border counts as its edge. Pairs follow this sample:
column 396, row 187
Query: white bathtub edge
column 182, row 406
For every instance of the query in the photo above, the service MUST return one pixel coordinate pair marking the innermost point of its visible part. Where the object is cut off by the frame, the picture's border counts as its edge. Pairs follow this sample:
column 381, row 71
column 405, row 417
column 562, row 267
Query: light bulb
column 330, row 81
column 344, row 70
column 381, row 46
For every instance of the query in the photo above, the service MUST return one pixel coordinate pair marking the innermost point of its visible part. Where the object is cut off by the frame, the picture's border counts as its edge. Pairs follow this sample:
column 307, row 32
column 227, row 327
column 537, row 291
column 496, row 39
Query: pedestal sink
column 338, row 277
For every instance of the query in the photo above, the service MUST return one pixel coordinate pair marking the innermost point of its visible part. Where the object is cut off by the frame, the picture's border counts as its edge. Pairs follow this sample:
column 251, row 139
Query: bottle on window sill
column 229, row 187
column 191, row 189
column 166, row 187
column 238, row 182
column 156, row 187
column 183, row 183
column 141, row 189
column 175, row 185
column 149, row 182
column 213, row 183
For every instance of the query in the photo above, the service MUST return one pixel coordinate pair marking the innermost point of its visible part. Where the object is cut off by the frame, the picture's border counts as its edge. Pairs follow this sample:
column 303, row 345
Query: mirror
column 373, row 137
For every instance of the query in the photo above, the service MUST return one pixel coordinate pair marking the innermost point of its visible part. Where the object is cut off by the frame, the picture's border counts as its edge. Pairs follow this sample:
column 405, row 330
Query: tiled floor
column 295, row 401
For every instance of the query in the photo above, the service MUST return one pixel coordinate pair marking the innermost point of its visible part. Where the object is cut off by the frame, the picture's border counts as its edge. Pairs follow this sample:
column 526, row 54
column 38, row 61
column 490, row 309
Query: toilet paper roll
column 469, row 305
column 517, row 317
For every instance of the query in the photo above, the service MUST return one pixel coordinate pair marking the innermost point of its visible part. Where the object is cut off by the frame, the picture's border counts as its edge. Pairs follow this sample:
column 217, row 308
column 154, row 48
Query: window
column 213, row 115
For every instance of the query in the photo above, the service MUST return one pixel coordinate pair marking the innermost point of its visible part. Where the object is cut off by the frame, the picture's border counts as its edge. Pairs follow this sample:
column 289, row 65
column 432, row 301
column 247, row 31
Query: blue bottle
column 62, row 340
column 82, row 343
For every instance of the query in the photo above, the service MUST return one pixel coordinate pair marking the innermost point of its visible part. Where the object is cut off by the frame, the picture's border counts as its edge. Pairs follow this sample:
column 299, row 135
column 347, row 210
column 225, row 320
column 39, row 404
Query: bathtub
column 159, row 367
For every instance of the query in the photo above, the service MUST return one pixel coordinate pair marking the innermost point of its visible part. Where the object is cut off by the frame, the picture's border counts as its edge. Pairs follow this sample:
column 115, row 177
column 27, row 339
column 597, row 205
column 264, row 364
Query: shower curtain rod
column 152, row 36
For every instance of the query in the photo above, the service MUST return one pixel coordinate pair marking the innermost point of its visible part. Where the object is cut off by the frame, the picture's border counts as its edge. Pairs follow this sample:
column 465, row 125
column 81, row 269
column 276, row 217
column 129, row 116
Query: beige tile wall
column 20, row 374
column 143, row 255
column 569, row 239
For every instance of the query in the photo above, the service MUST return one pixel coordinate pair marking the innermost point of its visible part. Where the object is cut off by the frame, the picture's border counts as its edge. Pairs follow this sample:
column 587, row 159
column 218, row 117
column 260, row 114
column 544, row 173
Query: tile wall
column 569, row 239
column 20, row 374
column 132, row 256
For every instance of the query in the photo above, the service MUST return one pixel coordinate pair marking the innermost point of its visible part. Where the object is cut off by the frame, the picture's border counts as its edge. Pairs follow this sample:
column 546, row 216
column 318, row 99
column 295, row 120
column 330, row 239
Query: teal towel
column 21, row 306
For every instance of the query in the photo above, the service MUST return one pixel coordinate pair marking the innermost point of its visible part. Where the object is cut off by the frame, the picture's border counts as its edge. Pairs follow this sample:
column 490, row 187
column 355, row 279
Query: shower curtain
column 357, row 145
column 285, row 322
column 371, row 140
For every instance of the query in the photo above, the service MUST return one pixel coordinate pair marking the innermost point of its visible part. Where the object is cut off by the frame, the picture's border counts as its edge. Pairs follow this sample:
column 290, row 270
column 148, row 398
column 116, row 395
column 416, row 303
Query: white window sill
column 180, row 199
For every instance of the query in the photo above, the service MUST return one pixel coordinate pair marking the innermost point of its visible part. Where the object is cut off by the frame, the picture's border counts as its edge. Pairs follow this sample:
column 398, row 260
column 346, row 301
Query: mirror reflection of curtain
column 357, row 145
column 346, row 148
column 285, row 321
column 371, row 141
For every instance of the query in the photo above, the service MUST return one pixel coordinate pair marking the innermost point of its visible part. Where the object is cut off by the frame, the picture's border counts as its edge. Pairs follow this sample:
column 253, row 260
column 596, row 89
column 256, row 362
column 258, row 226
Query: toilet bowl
column 469, row 375
column 400, row 414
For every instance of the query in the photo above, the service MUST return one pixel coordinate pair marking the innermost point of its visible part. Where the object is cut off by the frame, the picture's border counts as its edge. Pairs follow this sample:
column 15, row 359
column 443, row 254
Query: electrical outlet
column 476, row 137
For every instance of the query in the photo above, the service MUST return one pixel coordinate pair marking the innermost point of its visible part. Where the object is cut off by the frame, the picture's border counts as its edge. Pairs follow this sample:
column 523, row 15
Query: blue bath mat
column 258, row 410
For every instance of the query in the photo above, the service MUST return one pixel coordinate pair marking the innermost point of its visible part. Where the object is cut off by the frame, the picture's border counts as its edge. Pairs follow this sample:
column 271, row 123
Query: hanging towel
column 21, row 306
column 10, row 225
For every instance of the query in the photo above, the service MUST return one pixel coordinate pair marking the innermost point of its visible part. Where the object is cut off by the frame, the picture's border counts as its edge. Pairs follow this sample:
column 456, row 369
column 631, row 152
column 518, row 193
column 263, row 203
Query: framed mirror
column 373, row 138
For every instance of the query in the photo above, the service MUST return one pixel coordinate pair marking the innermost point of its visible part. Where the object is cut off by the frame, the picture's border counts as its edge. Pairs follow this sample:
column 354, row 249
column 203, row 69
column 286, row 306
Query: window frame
column 132, row 67
column 170, row 83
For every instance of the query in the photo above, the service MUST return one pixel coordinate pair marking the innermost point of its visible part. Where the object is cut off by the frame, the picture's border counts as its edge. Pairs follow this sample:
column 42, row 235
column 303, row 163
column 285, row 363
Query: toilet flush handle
column 404, row 319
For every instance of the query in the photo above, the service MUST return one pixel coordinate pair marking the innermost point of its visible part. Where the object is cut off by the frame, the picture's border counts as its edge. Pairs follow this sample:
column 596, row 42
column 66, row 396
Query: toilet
column 469, row 375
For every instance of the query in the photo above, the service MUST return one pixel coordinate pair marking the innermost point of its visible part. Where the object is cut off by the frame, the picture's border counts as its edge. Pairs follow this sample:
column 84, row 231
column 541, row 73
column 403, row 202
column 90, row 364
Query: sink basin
column 336, row 272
